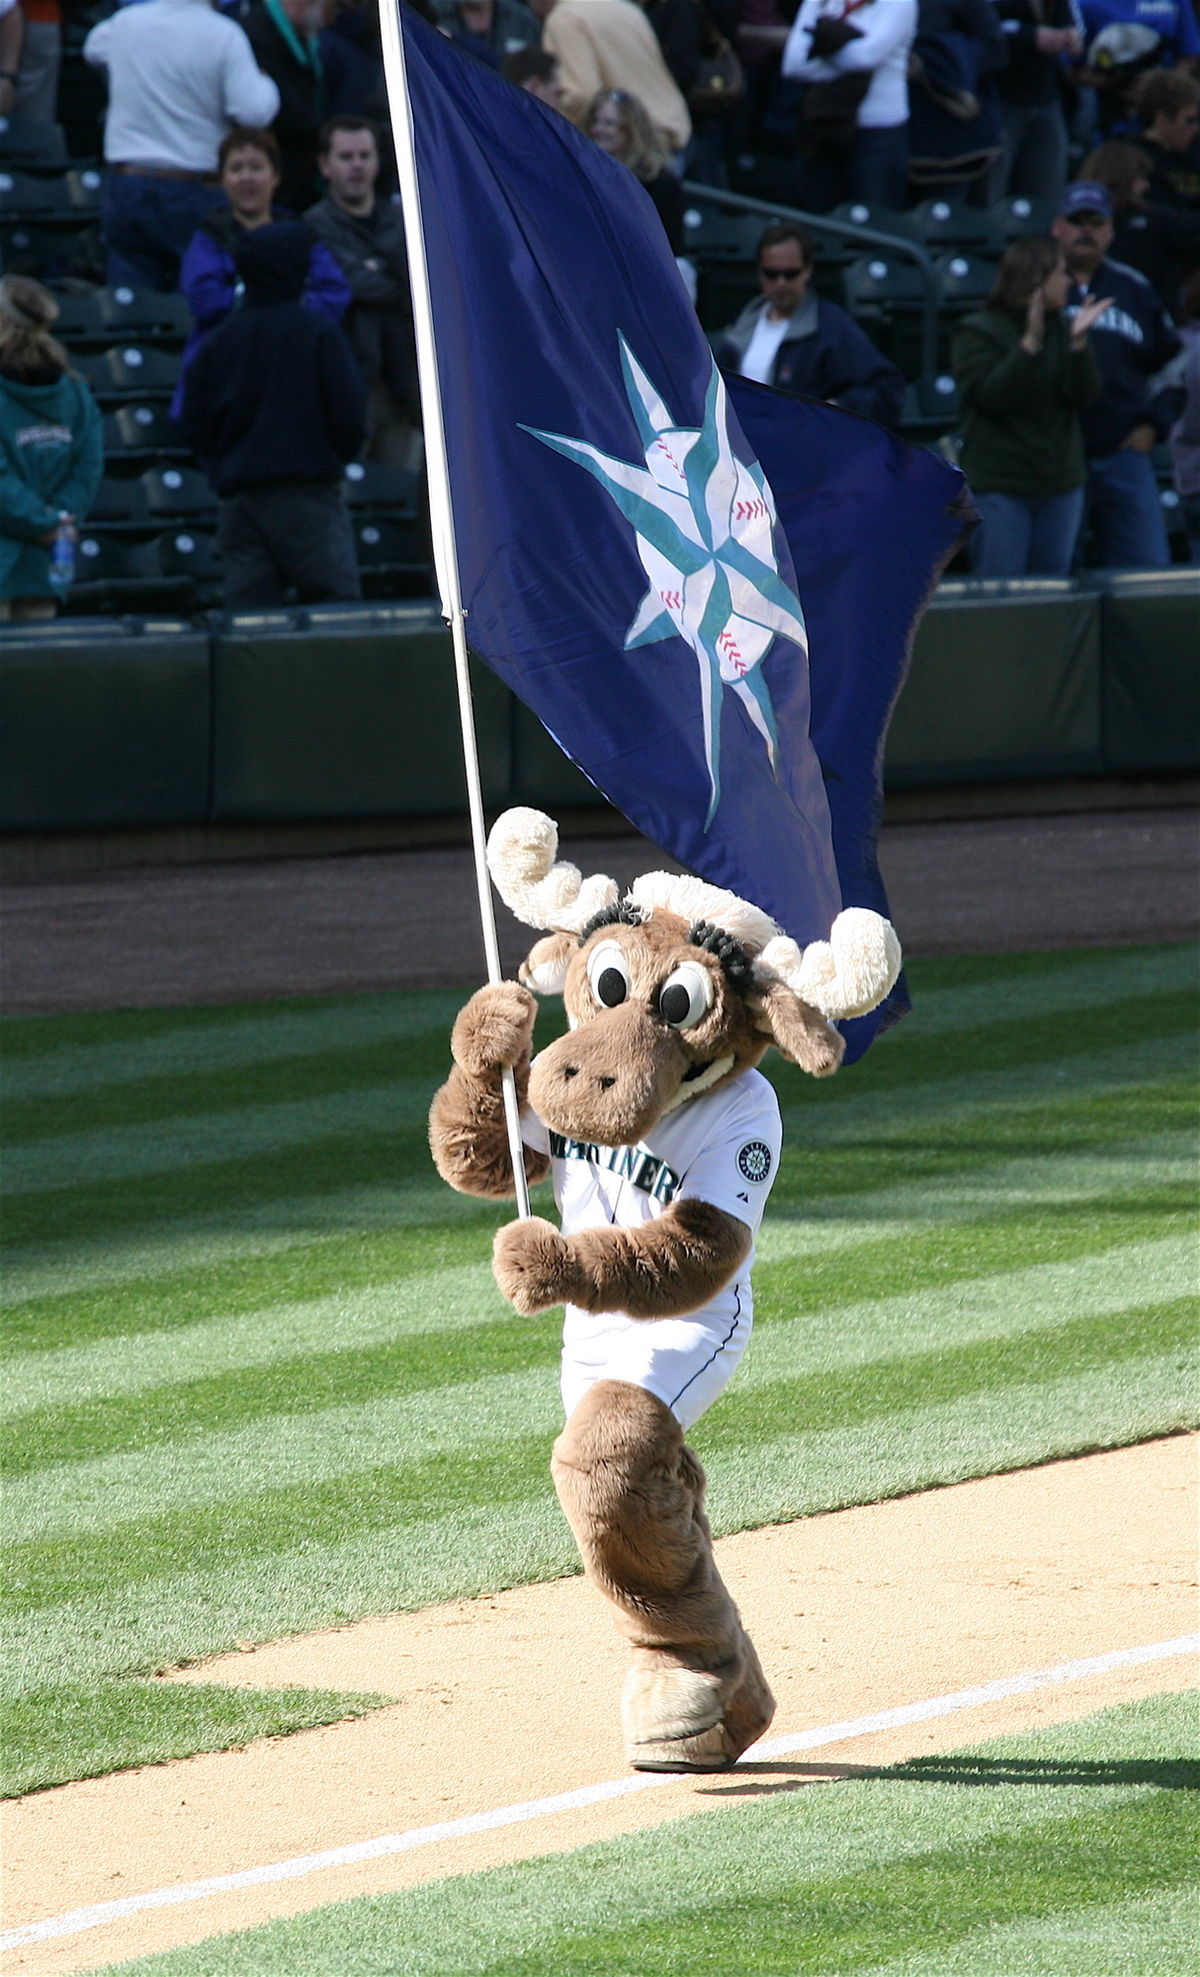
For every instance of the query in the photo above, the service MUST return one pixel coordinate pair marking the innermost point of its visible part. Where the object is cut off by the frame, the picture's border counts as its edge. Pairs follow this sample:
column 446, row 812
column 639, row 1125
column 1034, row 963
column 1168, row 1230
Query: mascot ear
column 544, row 968
column 798, row 1031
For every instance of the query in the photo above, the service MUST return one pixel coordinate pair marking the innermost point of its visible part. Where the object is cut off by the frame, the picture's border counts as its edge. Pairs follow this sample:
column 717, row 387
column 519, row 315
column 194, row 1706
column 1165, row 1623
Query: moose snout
column 609, row 1079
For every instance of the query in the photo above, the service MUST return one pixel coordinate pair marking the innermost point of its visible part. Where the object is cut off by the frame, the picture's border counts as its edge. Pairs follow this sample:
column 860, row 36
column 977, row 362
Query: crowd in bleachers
column 1000, row 257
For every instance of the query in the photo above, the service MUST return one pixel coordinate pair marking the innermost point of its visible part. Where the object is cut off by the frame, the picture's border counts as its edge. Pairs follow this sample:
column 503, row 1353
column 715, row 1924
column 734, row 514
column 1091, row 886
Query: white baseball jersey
column 723, row 1148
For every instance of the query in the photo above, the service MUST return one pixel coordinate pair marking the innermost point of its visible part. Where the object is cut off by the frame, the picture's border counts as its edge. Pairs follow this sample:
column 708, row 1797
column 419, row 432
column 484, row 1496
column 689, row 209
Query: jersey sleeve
column 735, row 1168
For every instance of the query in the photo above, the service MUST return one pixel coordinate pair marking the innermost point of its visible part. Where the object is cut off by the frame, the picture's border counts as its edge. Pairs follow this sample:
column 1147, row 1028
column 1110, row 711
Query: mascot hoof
column 529, row 1263
column 686, row 1719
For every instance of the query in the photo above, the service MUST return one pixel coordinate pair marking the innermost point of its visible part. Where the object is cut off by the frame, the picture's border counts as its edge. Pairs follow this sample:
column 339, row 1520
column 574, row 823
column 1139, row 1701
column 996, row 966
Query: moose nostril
column 570, row 1070
column 605, row 1083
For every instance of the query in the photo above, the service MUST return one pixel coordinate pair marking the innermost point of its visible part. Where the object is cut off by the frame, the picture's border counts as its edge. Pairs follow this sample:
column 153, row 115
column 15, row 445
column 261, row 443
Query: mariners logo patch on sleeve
column 754, row 1160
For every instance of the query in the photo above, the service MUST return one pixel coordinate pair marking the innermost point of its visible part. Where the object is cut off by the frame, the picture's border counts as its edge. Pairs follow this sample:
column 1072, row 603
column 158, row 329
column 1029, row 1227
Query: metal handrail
column 847, row 230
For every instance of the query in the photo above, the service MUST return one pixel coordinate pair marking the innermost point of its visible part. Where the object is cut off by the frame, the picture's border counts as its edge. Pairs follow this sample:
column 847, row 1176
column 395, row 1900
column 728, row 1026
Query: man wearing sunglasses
column 789, row 338
column 1133, row 340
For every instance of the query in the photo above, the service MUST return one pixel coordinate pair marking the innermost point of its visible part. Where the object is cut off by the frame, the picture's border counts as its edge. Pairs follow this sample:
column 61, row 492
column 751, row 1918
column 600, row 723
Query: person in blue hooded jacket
column 51, row 450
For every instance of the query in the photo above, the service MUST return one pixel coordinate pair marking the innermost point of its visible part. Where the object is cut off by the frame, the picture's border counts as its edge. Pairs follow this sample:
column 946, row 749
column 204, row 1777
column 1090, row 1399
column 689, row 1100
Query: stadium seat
column 389, row 553
column 964, row 281
column 40, row 197
column 390, row 489
column 127, row 368
column 710, row 234
column 944, row 223
column 26, row 143
column 49, row 253
column 887, row 297
column 881, row 219
column 103, row 564
column 78, row 318
column 1018, row 216
column 141, row 314
column 178, row 491
column 119, row 503
column 930, row 406
column 145, row 432
column 183, row 566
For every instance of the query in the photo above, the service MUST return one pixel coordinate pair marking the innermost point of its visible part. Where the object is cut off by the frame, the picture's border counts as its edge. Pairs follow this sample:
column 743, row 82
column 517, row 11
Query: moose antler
column 521, row 853
column 846, row 975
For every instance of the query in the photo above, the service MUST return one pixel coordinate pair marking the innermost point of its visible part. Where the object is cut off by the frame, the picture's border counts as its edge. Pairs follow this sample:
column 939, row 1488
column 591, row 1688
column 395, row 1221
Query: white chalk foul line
column 94, row 1917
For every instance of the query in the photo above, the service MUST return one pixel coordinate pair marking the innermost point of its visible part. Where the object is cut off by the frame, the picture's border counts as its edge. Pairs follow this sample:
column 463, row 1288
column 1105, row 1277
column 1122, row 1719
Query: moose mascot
column 663, row 1140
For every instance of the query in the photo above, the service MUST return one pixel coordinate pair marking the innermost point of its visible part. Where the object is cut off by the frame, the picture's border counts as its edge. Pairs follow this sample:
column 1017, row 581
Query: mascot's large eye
column 686, row 996
column 608, row 973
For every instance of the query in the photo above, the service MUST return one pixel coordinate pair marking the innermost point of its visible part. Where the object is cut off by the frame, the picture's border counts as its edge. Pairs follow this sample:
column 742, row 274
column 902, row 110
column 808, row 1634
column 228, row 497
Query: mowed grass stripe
column 242, row 1037
column 330, row 1399
column 973, row 1235
column 286, row 1055
column 354, row 1154
column 258, row 1507
column 123, row 1316
column 132, row 1132
column 187, row 1614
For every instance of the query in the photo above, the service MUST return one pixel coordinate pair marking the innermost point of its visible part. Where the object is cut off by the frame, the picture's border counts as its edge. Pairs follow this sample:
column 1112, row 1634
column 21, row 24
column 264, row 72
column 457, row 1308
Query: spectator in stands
column 1185, row 433
column 535, row 71
column 352, row 62
column 491, row 29
column 1043, row 37
column 1134, row 340
column 1024, row 375
column 366, row 235
column 791, row 339
column 690, row 33
column 41, row 57
column 618, row 123
column 273, row 409
column 285, row 37
column 1161, row 242
column 12, row 36
column 1173, row 21
column 956, row 126
column 51, row 451
column 609, row 44
column 854, row 112
column 1168, row 103
column 179, row 75
column 208, row 277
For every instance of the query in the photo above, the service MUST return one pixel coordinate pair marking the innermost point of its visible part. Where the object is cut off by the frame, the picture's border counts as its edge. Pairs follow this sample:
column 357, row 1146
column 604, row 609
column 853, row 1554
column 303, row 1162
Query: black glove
column 830, row 36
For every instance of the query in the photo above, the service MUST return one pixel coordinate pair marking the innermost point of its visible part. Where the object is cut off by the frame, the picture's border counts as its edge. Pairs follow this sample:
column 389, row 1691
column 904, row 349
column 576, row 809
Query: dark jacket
column 372, row 258
column 1028, row 77
column 1162, row 243
column 1020, row 415
column 1133, row 341
column 274, row 393
column 824, row 355
column 208, row 279
column 1174, row 175
column 302, row 110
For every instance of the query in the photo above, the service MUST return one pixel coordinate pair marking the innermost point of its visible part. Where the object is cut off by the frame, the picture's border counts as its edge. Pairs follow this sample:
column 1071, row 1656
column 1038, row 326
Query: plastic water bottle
column 62, row 558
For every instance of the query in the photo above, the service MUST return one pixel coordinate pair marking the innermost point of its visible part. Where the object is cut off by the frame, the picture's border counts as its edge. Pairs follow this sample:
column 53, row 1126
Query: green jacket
column 51, row 460
column 1019, row 415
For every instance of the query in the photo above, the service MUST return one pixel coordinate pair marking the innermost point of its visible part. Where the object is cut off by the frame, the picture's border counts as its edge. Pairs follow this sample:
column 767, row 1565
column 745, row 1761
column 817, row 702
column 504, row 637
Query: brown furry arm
column 661, row 1269
column 468, row 1134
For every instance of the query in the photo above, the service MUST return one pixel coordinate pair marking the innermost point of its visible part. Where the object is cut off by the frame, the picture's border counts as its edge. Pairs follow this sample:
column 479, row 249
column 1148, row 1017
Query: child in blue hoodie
column 51, row 449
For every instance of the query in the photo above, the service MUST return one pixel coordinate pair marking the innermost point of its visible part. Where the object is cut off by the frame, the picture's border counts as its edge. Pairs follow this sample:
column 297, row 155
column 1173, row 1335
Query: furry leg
column 633, row 1494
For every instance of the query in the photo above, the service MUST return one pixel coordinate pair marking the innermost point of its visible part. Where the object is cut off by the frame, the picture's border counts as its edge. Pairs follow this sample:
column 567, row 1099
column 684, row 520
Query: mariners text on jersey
column 632, row 1163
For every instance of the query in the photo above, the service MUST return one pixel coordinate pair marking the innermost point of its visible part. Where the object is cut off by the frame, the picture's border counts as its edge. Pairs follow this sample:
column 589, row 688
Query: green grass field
column 1072, row 1853
column 258, row 1378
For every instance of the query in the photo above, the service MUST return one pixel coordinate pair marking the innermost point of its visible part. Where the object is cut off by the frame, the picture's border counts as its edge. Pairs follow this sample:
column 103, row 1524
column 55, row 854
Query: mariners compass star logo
column 704, row 523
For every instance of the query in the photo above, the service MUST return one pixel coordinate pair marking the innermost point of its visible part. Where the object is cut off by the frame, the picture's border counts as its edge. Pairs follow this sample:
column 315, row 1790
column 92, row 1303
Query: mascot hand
column 494, row 1029
column 532, row 1265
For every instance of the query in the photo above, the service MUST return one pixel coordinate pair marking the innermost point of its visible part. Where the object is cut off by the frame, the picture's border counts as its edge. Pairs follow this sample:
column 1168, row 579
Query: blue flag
column 644, row 575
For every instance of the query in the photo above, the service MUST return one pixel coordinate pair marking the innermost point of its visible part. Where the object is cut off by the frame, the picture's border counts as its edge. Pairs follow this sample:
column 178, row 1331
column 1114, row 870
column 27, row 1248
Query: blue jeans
column 879, row 166
column 1026, row 538
column 1125, row 513
column 147, row 223
column 1035, row 160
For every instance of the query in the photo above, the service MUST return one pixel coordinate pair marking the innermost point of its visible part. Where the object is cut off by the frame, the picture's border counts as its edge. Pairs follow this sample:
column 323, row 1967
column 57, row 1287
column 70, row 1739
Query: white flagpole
column 441, row 515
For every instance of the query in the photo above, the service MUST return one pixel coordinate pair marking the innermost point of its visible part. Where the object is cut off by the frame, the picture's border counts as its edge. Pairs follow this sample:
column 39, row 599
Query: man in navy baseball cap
column 1084, row 195
column 1133, row 340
